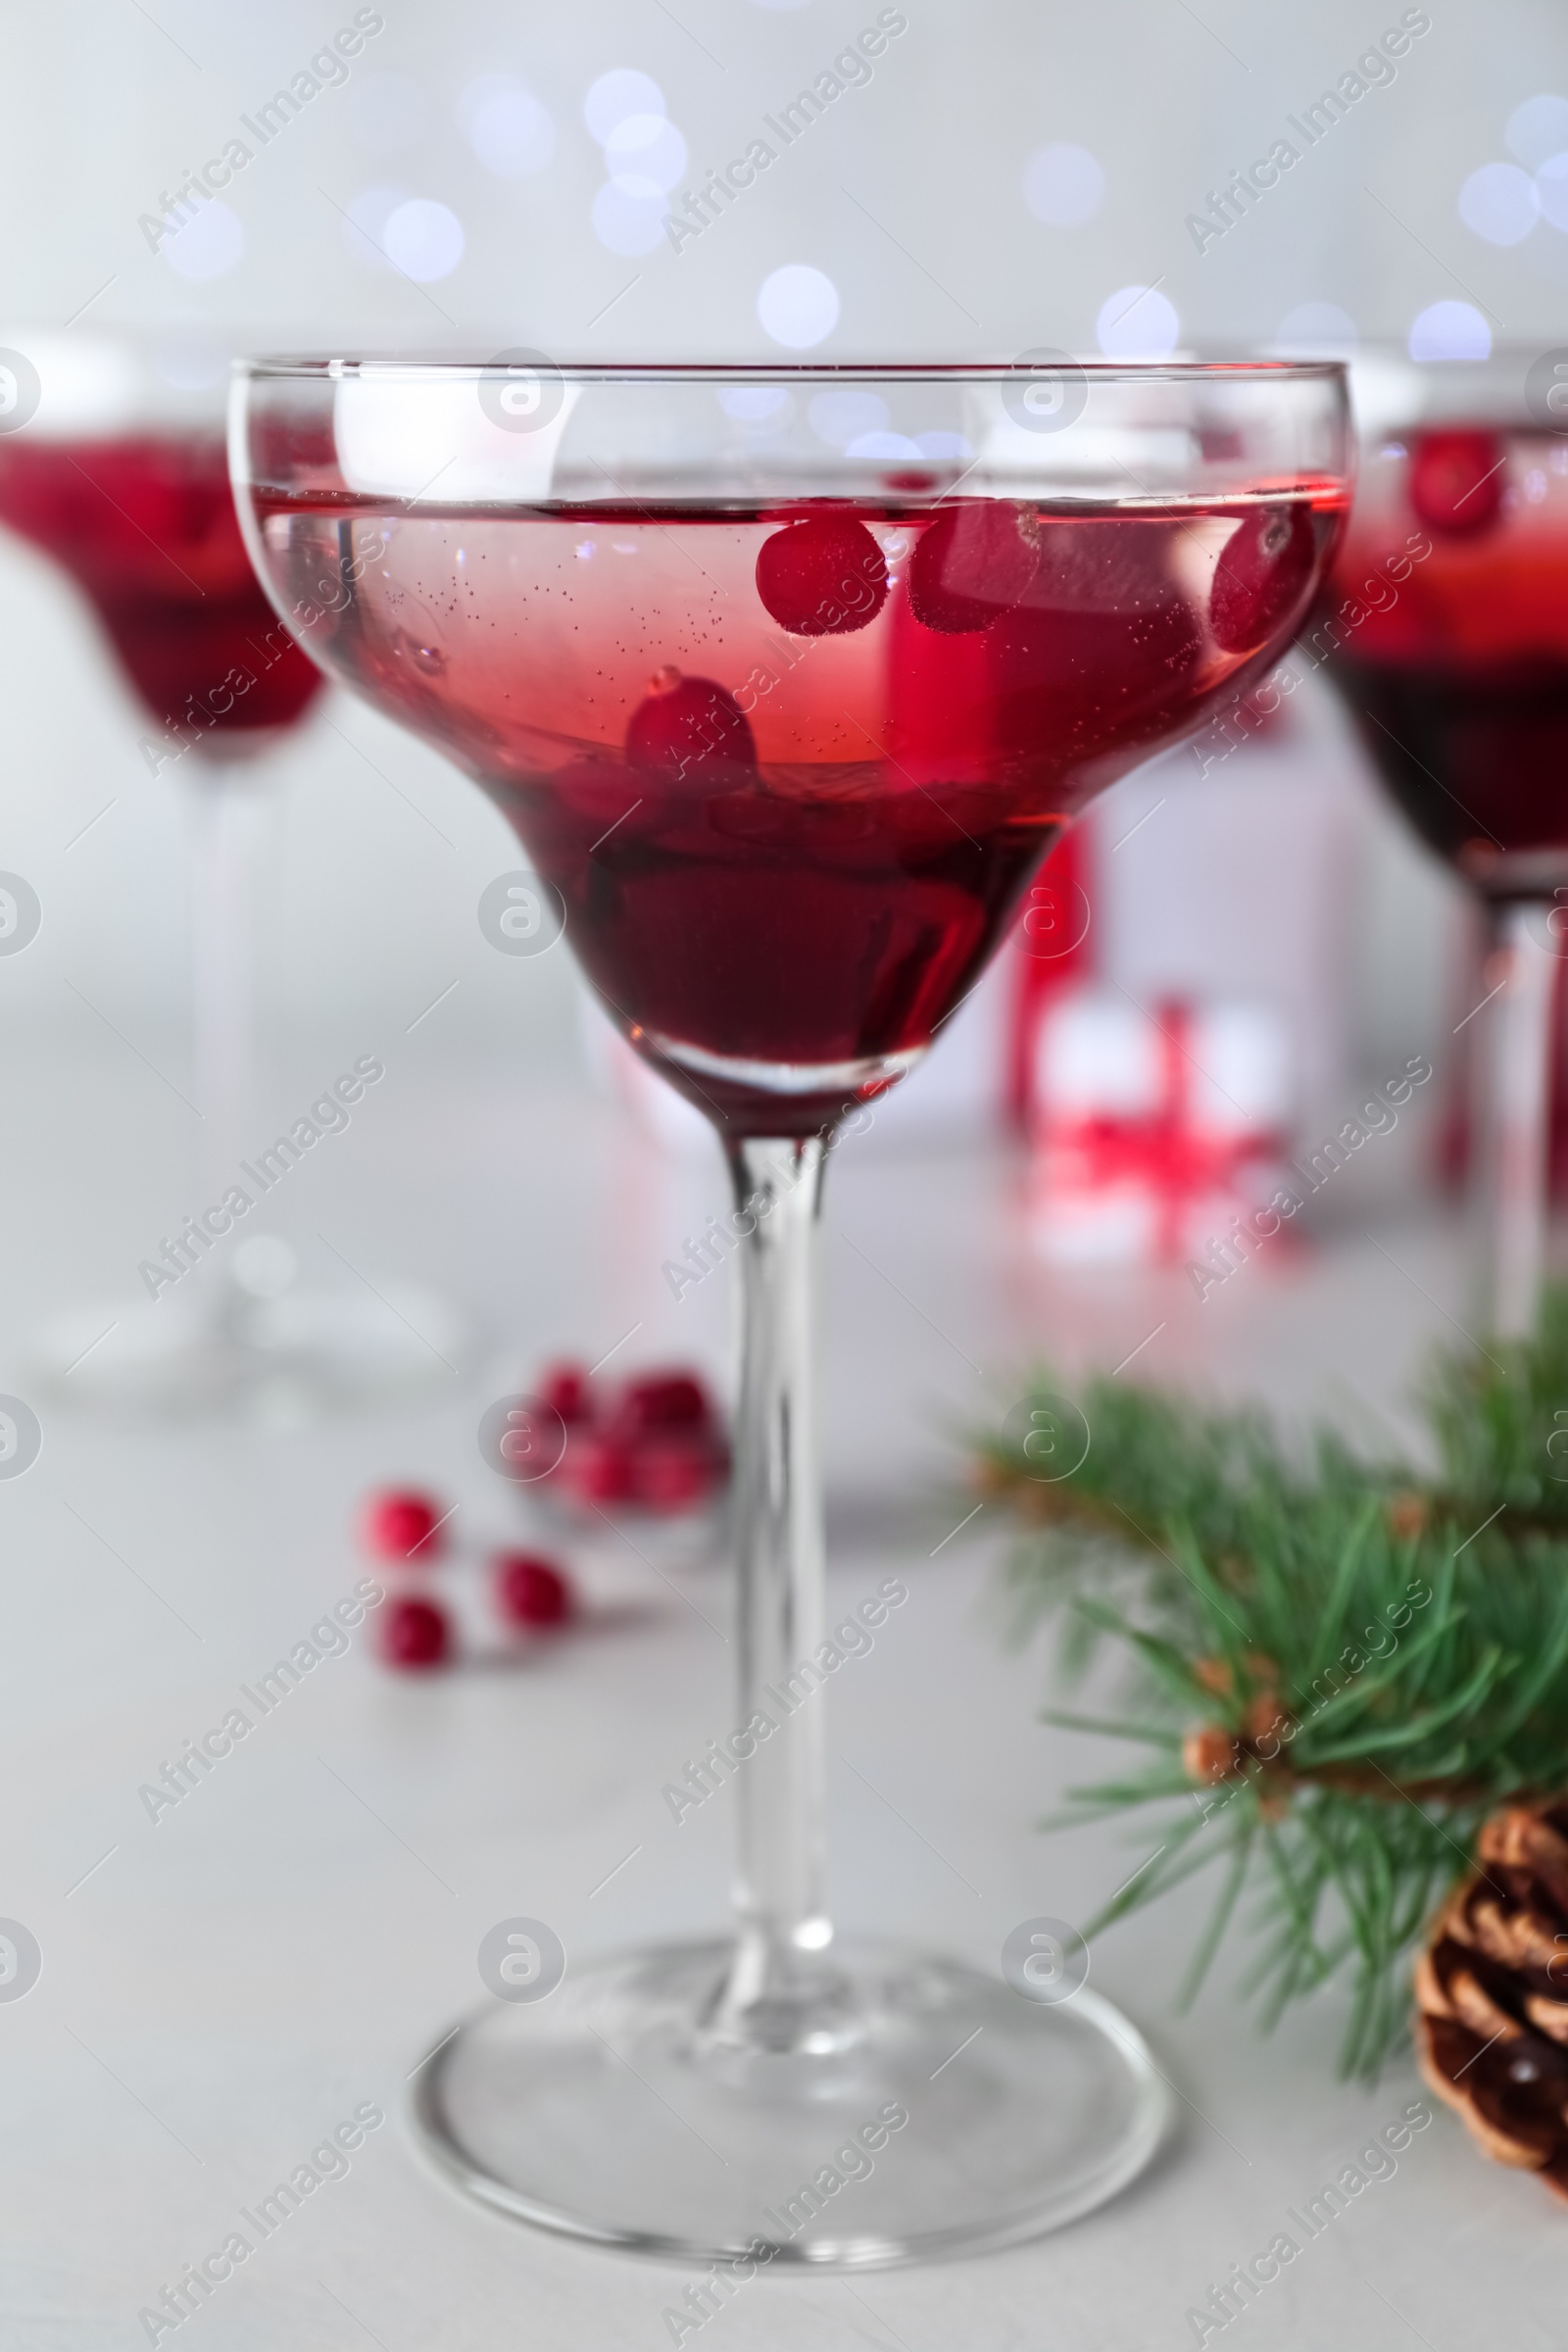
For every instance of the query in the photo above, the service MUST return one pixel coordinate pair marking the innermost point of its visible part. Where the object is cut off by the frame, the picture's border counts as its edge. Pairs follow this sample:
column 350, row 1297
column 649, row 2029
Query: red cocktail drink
column 1447, row 614
column 1456, row 657
column 790, row 771
column 146, row 527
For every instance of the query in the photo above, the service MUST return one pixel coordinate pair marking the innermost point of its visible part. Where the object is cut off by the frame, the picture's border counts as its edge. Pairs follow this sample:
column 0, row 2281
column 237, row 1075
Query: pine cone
column 1491, row 1993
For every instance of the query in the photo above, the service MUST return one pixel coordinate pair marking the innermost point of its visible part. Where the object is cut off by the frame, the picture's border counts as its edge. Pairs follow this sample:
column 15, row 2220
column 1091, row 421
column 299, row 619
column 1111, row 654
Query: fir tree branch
column 1352, row 1661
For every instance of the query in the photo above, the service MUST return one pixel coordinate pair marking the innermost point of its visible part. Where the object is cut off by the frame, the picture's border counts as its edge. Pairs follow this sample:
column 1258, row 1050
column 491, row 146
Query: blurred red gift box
column 1152, row 1131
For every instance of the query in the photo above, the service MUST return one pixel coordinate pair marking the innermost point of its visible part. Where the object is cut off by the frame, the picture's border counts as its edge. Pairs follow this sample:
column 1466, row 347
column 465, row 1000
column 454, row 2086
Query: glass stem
column 776, row 1982
column 222, row 812
column 1512, row 1098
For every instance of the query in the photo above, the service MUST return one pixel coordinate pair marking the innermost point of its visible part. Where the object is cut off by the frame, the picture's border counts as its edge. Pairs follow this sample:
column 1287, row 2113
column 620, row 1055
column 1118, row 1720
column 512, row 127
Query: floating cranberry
column 972, row 564
column 1456, row 481
column 531, row 1592
column 415, row 1636
column 823, row 578
column 565, row 1390
column 1263, row 576
column 1100, row 653
column 402, row 1525
column 662, row 1400
column 686, row 724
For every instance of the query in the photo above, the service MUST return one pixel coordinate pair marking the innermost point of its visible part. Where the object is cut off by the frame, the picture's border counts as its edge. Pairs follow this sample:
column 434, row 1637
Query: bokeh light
column 628, row 225
column 614, row 95
column 424, row 239
column 838, row 417
column 645, row 155
column 1137, row 323
column 798, row 306
column 885, row 447
column 1499, row 203
column 509, row 128
column 1064, row 186
column 209, row 243
column 1538, row 128
column 754, row 403
column 1449, row 330
column 1551, row 187
column 365, row 227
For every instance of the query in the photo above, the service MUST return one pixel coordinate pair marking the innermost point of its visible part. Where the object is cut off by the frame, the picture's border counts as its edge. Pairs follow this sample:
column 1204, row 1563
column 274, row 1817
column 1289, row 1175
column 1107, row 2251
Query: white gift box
column 1154, row 1127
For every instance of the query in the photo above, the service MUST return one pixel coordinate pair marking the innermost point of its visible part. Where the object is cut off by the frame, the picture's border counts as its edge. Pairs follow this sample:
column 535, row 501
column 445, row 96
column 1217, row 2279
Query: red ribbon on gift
column 1178, row 1161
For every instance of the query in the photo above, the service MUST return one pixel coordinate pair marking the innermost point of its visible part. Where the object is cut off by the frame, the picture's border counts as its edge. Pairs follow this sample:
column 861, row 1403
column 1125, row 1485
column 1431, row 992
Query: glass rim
column 1505, row 353
column 325, row 368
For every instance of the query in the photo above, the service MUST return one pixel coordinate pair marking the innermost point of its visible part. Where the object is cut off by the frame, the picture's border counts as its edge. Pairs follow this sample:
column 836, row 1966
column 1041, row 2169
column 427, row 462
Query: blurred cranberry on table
column 564, row 1389
column 653, row 1440
column 400, row 1523
column 531, row 1592
column 676, row 1474
column 598, row 1467
column 415, row 1635
column 659, row 1401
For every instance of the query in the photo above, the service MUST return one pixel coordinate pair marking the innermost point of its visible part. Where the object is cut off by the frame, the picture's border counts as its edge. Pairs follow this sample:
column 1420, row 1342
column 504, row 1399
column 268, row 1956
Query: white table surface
column 229, row 1984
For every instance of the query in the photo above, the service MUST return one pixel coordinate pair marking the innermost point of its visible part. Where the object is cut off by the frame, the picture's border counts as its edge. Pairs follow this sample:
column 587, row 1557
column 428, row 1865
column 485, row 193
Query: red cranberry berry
column 674, row 1474
column 530, row 1591
column 662, row 1401
column 972, row 563
column 598, row 1468
column 688, row 725
column 565, row 1390
column 402, row 1525
column 824, row 577
column 1456, row 481
column 415, row 1635
column 1263, row 573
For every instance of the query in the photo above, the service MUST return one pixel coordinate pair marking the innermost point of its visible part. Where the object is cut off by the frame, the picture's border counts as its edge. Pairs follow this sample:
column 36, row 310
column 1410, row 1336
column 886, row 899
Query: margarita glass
column 785, row 729
column 112, row 463
column 1446, row 614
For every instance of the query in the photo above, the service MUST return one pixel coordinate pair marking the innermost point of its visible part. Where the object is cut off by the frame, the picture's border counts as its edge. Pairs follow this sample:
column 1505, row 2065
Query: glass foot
column 938, row 2111
column 298, row 1355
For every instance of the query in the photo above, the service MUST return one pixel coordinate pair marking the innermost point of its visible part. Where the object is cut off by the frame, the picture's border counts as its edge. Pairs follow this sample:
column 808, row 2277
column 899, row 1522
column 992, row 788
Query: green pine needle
column 1387, row 1650
column 1500, row 1421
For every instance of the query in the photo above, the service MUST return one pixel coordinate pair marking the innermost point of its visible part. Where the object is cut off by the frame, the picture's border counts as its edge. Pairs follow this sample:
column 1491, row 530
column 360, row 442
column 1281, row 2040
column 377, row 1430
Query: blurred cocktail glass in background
column 1447, row 614
column 112, row 465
